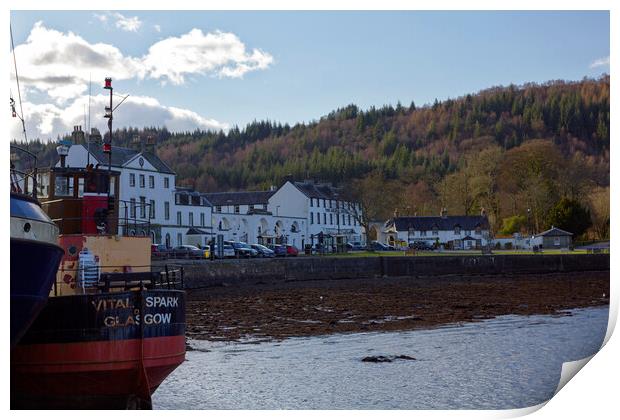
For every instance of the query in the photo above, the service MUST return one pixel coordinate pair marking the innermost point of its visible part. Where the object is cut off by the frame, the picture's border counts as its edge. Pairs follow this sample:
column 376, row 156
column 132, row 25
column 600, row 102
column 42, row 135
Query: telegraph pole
column 107, row 146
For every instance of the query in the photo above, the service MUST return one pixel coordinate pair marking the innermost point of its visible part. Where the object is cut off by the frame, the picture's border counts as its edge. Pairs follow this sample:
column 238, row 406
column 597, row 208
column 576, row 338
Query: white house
column 323, row 209
column 246, row 216
column 455, row 232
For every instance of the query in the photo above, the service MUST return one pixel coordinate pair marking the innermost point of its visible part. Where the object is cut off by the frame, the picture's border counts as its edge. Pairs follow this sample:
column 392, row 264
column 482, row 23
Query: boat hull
column 33, row 271
column 98, row 352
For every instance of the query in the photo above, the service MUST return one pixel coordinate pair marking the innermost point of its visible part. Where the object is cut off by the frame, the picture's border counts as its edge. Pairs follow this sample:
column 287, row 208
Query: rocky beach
column 265, row 311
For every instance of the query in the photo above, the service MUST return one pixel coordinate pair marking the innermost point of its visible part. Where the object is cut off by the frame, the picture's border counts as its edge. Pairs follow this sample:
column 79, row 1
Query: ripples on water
column 507, row 362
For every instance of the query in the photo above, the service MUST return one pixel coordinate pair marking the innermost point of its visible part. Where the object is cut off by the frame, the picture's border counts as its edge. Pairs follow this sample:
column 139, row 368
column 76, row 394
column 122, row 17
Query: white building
column 454, row 232
column 323, row 209
column 247, row 216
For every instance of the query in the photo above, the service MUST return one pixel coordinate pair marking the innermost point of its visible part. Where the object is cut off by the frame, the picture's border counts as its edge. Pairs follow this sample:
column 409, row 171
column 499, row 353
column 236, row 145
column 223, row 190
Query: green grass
column 450, row 253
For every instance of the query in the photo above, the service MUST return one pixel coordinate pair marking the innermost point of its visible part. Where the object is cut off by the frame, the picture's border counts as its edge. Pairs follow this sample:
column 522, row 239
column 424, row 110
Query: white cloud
column 124, row 23
column 60, row 65
column 47, row 121
column 103, row 18
column 600, row 62
column 216, row 53
column 129, row 24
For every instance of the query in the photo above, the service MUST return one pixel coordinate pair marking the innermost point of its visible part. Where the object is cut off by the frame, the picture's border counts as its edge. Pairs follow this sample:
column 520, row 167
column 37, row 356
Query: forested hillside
column 506, row 149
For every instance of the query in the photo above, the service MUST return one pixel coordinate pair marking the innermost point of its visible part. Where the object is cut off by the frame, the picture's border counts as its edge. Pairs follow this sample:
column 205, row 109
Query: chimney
column 78, row 135
column 444, row 212
column 95, row 136
column 150, row 144
column 137, row 143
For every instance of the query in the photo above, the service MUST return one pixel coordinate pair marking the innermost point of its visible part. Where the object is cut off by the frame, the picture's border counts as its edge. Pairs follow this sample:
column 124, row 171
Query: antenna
column 21, row 110
column 88, row 129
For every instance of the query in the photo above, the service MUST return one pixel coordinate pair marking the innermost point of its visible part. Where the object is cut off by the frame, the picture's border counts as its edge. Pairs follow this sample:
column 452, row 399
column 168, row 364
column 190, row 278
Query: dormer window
column 435, row 231
column 457, row 230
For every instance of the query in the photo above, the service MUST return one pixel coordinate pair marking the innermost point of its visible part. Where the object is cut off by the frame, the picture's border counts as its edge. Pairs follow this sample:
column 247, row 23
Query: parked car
column 242, row 250
column 159, row 251
column 187, row 251
column 355, row 246
column 228, row 252
column 291, row 251
column 279, row 250
column 263, row 251
column 378, row 246
column 421, row 246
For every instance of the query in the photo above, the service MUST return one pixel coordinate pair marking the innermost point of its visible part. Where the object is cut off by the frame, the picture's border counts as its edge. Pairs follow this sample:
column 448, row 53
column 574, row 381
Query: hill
column 506, row 149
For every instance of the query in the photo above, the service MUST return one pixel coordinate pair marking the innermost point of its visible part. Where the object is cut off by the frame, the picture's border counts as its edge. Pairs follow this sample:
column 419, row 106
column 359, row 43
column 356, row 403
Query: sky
column 214, row 70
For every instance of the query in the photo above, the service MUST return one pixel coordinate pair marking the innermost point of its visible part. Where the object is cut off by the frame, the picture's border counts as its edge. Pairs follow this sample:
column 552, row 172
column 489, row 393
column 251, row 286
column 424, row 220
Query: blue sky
column 314, row 62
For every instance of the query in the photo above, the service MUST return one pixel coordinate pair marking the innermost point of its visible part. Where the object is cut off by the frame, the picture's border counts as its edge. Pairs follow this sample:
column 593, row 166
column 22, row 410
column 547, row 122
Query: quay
column 237, row 273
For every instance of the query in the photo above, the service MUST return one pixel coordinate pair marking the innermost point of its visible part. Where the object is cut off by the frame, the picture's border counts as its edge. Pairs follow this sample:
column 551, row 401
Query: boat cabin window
column 63, row 186
column 43, row 185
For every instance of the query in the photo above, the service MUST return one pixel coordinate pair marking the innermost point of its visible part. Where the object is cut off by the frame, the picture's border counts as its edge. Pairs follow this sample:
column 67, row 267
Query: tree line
column 530, row 155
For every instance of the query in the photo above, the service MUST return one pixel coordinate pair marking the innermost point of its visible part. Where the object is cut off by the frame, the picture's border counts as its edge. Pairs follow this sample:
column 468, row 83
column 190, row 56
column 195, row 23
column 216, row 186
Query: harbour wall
column 201, row 273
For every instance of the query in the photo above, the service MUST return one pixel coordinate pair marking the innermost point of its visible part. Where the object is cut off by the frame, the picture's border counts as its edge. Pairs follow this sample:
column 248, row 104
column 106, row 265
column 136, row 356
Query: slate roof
column 196, row 231
column 239, row 198
column 316, row 190
column 555, row 232
column 121, row 155
column 439, row 222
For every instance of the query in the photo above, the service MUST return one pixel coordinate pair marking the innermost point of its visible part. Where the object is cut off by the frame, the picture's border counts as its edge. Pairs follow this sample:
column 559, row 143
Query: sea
column 501, row 363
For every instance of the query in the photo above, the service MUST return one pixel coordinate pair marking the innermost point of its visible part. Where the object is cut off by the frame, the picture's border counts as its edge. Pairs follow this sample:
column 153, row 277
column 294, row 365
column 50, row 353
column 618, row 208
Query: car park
column 263, row 251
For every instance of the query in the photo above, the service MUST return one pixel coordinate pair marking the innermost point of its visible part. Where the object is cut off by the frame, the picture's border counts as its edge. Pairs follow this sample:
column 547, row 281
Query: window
column 468, row 232
column 324, row 218
column 457, row 230
column 132, row 208
column 132, row 180
column 202, row 219
column 435, row 231
column 311, row 218
column 179, row 239
column 43, row 184
column 349, row 219
column 236, row 209
column 151, row 209
column 323, row 203
column 166, row 182
column 331, row 218
column 143, row 207
column 167, row 210
column 218, row 209
column 422, row 233
column 311, row 202
column 141, row 181
column 179, row 218
column 191, row 218
column 151, row 181
column 264, row 206
column 343, row 216
column 251, row 207
column 478, row 230
column 63, row 186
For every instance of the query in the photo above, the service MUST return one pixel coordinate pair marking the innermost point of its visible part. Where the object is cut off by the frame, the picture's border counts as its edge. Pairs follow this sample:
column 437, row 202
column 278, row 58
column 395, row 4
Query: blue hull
column 33, row 271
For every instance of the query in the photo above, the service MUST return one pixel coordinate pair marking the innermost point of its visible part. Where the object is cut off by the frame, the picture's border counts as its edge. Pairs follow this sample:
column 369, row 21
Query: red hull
column 102, row 374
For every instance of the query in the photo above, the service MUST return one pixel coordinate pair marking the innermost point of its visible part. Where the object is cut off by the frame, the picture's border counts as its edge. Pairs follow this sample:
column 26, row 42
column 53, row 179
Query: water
column 507, row 362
